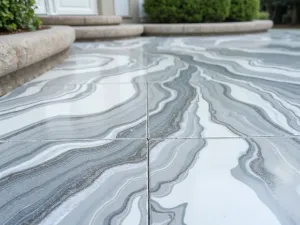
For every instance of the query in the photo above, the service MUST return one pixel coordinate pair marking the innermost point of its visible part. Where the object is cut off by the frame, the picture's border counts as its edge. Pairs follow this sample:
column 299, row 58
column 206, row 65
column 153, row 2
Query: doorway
column 67, row 7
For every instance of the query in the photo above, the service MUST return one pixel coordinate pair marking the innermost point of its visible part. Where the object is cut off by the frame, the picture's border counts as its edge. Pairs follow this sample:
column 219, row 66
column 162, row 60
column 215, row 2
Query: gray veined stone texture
column 177, row 130
column 77, row 111
column 105, row 179
column 224, row 181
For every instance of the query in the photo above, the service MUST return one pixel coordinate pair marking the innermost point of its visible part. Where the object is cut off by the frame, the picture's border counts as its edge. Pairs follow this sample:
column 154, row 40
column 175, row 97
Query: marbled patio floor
column 160, row 131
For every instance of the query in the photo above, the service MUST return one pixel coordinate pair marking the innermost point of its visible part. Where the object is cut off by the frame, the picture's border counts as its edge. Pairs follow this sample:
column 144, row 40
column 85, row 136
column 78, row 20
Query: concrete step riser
column 81, row 20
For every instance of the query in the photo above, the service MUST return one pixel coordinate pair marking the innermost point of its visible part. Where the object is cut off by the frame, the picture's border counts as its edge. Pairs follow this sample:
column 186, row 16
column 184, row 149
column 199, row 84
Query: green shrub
column 243, row 10
column 215, row 10
column 251, row 9
column 18, row 15
column 163, row 11
column 192, row 11
column 186, row 11
column 173, row 11
column 237, row 10
column 263, row 16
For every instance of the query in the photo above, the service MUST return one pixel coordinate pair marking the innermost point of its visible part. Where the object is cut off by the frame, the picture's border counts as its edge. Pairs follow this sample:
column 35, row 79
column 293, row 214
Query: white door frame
column 141, row 9
column 57, row 7
column 41, row 7
column 122, row 7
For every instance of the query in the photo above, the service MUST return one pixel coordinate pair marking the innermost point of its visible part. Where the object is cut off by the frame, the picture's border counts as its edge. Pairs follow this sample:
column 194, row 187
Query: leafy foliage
column 164, row 11
column 215, row 10
column 263, row 16
column 251, row 9
column 18, row 15
column 186, row 11
column 192, row 11
column 244, row 10
column 237, row 10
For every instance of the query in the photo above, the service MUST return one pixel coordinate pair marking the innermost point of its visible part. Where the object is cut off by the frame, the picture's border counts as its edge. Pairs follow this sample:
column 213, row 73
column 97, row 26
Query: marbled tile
column 244, row 88
column 221, row 115
column 105, row 62
column 86, row 111
column 67, row 183
column 230, row 181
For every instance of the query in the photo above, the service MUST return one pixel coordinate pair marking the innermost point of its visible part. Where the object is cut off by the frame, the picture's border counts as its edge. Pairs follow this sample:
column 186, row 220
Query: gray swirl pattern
column 157, row 131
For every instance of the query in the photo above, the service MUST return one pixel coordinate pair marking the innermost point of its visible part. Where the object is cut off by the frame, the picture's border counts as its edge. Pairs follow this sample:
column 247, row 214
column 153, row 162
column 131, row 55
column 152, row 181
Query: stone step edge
column 108, row 32
column 208, row 28
column 81, row 20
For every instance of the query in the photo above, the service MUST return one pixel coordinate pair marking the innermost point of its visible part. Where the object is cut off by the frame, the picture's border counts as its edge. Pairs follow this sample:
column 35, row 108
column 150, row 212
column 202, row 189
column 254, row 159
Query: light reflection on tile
column 220, row 116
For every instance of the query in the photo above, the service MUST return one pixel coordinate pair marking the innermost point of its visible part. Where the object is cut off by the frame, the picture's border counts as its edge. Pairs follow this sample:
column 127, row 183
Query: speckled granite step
column 108, row 32
column 81, row 20
column 208, row 28
column 25, row 56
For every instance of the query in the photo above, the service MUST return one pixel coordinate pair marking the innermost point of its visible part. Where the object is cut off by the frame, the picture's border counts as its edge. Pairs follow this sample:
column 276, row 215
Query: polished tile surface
column 157, row 131
column 83, row 182
column 225, row 181
column 249, row 84
column 74, row 111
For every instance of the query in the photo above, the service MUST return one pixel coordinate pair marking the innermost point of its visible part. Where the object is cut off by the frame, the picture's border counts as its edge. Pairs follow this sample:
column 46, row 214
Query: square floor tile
column 231, row 86
column 205, row 103
column 225, row 181
column 89, row 111
column 87, row 182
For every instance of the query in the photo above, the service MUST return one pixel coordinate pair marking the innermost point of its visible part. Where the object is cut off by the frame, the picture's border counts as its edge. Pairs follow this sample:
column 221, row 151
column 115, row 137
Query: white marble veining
column 157, row 131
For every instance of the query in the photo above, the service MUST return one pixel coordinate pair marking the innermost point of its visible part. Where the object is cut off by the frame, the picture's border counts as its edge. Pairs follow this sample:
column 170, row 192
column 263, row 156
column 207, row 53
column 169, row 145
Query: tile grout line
column 147, row 138
column 148, row 183
column 147, row 112
column 148, row 153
